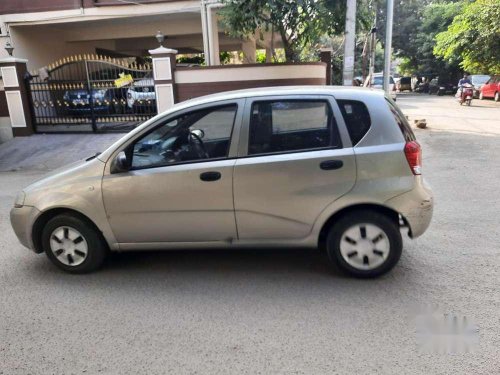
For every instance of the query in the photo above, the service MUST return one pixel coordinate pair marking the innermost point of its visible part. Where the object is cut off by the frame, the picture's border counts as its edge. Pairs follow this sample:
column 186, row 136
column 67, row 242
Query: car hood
column 65, row 176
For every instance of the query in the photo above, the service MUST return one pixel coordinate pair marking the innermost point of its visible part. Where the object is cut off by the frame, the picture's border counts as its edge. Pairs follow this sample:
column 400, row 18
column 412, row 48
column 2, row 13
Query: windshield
column 479, row 80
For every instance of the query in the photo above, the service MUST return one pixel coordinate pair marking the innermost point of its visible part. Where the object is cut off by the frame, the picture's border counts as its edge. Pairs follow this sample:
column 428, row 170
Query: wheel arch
column 47, row 215
column 395, row 216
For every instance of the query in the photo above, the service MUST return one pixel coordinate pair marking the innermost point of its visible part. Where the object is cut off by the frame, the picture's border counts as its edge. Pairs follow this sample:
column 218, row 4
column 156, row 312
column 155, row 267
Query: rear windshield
column 401, row 121
column 479, row 80
column 380, row 81
column 356, row 117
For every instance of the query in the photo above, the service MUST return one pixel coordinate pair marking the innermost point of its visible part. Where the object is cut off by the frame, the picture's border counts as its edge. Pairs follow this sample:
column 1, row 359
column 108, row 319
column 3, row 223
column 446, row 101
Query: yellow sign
column 124, row 80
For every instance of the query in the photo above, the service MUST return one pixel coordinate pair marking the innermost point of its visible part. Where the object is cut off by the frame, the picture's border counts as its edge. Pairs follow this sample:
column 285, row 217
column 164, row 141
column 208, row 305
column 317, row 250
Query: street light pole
column 349, row 43
column 388, row 44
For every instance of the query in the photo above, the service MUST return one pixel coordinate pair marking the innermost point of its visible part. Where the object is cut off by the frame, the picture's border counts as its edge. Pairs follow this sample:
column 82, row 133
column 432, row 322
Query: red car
column 491, row 89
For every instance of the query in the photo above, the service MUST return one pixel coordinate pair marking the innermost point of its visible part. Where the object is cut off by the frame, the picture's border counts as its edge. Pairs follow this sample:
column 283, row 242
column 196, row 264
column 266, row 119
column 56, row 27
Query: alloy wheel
column 69, row 246
column 364, row 246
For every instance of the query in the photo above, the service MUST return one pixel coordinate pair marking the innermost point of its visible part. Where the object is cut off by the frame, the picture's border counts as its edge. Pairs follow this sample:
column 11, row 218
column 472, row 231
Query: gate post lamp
column 9, row 48
column 160, row 37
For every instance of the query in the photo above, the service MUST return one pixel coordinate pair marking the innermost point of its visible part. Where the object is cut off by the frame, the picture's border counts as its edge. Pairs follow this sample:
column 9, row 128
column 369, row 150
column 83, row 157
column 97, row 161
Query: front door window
column 200, row 135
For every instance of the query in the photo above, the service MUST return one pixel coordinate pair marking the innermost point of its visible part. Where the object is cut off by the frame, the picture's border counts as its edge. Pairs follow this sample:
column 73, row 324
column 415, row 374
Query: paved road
column 270, row 312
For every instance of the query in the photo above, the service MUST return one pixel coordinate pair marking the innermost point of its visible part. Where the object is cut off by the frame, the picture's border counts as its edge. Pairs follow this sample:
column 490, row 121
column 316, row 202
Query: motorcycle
column 465, row 94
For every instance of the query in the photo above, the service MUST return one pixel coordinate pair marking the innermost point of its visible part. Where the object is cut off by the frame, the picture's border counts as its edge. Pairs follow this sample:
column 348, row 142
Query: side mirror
column 120, row 164
column 199, row 133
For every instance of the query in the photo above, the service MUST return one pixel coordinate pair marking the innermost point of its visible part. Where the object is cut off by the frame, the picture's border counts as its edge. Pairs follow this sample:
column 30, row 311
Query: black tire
column 386, row 224
column 97, row 247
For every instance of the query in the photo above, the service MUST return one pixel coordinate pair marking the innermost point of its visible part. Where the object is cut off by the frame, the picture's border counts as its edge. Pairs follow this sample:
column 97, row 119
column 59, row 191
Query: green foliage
column 474, row 37
column 416, row 24
column 299, row 23
column 260, row 56
column 224, row 57
column 190, row 59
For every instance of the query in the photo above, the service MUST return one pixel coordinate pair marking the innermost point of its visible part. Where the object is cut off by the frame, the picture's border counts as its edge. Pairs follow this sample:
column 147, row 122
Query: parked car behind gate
column 141, row 94
column 105, row 98
column 289, row 167
column 491, row 89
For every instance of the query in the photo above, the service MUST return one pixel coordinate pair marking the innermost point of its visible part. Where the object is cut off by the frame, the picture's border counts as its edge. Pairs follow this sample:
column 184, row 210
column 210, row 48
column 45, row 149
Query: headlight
column 442, row 88
column 19, row 202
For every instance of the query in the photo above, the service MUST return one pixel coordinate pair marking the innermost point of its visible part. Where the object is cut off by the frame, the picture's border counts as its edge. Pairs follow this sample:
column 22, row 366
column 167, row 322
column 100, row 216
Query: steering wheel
column 198, row 146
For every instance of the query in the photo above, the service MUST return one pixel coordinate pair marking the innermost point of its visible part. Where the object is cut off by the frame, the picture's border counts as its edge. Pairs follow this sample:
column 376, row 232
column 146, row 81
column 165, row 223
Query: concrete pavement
column 271, row 312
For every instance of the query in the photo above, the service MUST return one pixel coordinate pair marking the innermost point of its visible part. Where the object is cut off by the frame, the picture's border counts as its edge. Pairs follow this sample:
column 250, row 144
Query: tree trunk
column 290, row 53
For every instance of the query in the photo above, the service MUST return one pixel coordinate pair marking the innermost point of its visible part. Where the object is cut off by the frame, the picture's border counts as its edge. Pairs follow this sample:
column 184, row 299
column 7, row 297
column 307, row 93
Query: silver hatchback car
column 306, row 167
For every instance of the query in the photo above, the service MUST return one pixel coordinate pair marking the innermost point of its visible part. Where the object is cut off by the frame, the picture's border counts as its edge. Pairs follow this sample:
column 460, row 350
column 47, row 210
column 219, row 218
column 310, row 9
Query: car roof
column 278, row 91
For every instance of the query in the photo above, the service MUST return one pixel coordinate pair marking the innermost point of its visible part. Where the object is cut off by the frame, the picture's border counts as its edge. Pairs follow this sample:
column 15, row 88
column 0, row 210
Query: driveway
column 272, row 311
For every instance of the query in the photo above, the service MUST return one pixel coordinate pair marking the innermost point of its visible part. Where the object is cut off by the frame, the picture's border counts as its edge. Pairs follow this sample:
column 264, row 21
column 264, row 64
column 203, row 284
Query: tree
column 416, row 24
column 436, row 17
column 299, row 23
column 474, row 36
column 406, row 20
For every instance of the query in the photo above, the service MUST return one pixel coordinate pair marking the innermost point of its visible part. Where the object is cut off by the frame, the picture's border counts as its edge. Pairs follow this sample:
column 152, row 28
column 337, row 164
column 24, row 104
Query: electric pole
column 349, row 43
column 373, row 46
column 388, row 44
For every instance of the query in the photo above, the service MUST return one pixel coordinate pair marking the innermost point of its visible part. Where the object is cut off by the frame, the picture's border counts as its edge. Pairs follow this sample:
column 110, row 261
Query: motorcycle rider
column 464, row 81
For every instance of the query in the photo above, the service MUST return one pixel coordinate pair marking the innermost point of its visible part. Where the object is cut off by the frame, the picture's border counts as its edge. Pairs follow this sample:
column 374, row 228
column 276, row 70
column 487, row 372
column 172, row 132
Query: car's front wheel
column 73, row 244
column 365, row 244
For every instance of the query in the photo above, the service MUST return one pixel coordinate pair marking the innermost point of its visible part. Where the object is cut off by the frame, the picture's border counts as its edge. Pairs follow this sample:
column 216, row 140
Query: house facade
column 43, row 31
column 89, row 65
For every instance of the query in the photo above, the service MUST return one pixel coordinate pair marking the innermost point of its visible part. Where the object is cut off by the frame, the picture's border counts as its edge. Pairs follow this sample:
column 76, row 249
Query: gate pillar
column 164, row 77
column 16, row 92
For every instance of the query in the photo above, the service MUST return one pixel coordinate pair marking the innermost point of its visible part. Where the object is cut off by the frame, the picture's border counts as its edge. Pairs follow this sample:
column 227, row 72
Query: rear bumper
column 22, row 220
column 416, row 206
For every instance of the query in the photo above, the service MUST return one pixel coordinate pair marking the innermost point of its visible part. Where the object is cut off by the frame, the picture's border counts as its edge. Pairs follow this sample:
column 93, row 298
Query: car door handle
column 331, row 164
column 210, row 176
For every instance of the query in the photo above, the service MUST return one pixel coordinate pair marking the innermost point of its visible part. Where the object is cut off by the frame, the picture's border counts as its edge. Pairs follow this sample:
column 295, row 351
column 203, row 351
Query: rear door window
column 356, row 117
column 291, row 125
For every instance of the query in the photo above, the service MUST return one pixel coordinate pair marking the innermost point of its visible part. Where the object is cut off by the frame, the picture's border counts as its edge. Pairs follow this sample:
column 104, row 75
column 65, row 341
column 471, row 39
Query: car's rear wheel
column 365, row 244
column 73, row 244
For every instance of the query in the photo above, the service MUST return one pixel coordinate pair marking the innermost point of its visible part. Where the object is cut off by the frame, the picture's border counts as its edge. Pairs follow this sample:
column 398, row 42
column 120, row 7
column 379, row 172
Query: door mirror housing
column 121, row 164
column 198, row 132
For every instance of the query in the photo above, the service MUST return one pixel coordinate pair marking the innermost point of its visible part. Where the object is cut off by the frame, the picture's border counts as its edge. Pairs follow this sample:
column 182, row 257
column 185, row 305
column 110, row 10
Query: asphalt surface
column 268, row 312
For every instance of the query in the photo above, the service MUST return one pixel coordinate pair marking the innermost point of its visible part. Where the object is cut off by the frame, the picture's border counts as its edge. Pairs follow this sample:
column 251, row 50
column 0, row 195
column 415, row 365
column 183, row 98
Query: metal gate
column 92, row 93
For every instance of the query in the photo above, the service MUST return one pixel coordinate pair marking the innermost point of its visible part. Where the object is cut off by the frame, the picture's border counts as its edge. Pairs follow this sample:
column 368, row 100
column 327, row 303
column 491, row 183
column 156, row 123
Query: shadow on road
column 240, row 271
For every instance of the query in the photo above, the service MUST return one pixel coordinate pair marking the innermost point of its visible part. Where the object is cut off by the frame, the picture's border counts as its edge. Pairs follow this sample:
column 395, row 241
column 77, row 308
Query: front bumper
column 416, row 206
column 22, row 220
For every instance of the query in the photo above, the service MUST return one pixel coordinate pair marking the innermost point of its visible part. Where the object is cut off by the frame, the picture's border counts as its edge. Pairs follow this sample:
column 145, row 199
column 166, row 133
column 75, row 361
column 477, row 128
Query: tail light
column 413, row 154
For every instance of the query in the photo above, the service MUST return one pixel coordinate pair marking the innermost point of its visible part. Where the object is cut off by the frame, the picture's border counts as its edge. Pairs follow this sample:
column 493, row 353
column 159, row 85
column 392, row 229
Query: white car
column 377, row 82
column 141, row 93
